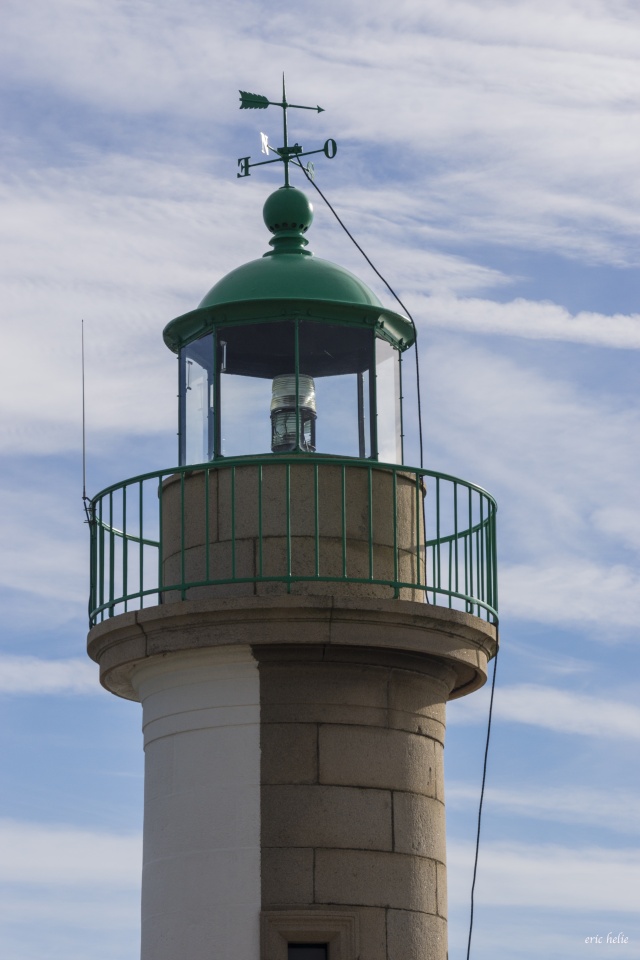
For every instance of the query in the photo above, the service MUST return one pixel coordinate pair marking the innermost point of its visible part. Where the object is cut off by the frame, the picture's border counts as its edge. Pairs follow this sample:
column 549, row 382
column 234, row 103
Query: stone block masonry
column 351, row 805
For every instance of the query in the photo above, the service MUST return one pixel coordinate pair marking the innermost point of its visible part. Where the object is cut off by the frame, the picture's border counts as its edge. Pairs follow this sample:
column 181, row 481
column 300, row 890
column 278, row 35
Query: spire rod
column 285, row 133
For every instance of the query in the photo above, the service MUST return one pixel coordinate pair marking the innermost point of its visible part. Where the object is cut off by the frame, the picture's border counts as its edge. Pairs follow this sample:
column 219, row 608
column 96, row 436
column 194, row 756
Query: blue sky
column 487, row 160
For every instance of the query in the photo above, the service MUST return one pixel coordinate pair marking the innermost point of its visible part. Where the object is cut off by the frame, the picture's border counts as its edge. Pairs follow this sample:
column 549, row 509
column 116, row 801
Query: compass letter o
column 330, row 149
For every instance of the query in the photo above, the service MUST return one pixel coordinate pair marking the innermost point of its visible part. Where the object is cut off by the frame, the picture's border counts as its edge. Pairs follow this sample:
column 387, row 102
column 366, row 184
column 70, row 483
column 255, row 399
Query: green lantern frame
column 297, row 320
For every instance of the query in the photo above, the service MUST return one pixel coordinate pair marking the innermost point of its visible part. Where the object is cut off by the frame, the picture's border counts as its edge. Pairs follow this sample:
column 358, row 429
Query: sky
column 487, row 162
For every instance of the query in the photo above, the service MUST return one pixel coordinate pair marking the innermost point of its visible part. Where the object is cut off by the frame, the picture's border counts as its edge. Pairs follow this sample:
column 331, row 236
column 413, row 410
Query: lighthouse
column 293, row 605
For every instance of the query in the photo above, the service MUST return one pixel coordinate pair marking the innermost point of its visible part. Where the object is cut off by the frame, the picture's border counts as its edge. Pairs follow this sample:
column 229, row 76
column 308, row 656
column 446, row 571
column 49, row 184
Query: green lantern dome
column 289, row 280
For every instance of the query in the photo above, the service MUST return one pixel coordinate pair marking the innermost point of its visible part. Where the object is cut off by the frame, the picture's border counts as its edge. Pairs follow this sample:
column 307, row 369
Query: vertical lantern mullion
column 217, row 393
column 296, row 350
column 361, row 438
column 211, row 403
column 373, row 400
column 400, row 399
column 182, row 408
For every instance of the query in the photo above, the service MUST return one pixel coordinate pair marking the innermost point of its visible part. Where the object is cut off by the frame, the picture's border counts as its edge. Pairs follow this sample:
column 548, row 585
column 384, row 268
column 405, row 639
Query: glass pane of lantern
column 250, row 357
column 388, row 402
column 338, row 360
column 196, row 420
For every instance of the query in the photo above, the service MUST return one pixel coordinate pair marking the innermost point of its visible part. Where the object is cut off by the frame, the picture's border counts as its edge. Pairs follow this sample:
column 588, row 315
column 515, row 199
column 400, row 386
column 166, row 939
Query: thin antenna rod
column 85, row 498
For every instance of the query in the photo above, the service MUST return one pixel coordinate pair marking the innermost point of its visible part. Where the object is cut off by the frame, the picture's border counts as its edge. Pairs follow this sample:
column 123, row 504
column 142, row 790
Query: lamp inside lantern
column 285, row 421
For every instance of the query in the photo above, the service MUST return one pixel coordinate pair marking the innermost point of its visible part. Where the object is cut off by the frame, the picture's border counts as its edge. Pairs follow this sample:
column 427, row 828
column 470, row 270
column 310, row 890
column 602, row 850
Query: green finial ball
column 288, row 209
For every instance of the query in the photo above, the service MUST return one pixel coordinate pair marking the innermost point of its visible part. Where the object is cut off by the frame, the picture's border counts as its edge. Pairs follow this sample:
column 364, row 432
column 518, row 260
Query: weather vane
column 254, row 101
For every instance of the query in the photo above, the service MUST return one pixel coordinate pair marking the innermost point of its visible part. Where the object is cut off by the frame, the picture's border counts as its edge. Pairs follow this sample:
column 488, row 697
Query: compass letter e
column 243, row 166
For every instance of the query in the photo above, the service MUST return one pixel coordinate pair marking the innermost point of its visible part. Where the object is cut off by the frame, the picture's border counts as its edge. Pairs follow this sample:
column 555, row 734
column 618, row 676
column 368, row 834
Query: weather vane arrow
column 286, row 153
column 254, row 101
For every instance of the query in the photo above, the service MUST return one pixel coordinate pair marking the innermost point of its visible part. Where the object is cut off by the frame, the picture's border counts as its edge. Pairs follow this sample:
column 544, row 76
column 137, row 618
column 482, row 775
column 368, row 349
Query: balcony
column 298, row 524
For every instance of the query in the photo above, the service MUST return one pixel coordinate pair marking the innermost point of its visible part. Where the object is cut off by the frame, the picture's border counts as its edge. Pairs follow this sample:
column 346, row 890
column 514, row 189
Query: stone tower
column 293, row 606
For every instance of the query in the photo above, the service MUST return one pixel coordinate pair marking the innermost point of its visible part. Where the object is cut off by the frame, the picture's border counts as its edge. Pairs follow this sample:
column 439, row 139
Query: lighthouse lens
column 291, row 428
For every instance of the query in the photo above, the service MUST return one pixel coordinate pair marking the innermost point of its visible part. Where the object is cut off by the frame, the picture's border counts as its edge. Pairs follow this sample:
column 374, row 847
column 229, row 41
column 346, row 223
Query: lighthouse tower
column 293, row 605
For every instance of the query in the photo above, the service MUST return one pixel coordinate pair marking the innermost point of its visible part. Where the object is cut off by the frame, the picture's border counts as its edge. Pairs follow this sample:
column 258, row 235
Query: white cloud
column 559, row 460
column 52, row 907
column 573, row 590
column 549, row 661
column 33, row 675
column 530, row 134
column 623, row 524
column 127, row 59
column 514, row 120
column 554, row 454
column 45, row 541
column 69, row 922
column 545, row 438
column 533, row 320
column 562, row 711
column 616, row 810
column 126, row 245
column 548, row 876
column 36, row 853
column 582, row 25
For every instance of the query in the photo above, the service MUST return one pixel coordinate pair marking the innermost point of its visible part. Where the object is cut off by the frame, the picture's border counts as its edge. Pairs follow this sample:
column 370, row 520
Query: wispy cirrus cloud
column 559, row 458
column 550, row 708
column 573, row 590
column 513, row 120
column 548, row 876
column 43, row 853
column 617, row 810
column 45, row 540
column 35, row 675
column 533, row 320
column 68, row 892
column 69, row 922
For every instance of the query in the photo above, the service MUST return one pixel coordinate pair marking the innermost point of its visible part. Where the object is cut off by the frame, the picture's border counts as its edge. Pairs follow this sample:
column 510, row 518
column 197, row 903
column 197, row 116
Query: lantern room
column 290, row 354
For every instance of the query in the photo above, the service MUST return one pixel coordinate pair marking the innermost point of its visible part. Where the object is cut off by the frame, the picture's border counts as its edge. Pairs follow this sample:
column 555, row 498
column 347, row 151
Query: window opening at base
column 308, row 951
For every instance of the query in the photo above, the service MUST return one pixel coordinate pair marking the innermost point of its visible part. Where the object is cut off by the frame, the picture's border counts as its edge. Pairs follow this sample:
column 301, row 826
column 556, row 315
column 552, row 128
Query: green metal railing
column 455, row 566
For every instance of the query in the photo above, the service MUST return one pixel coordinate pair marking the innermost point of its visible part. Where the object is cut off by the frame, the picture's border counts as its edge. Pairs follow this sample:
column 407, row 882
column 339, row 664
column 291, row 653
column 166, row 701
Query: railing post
column 112, row 558
column 125, row 546
column 183, row 592
column 160, row 543
column 370, row 499
column 316, row 519
column 344, row 521
column 91, row 518
column 288, row 512
column 394, row 485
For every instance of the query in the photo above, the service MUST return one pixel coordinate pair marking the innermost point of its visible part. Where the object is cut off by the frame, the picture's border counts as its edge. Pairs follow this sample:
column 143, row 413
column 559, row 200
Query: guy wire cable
column 85, row 498
column 495, row 659
column 484, row 778
column 391, row 291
